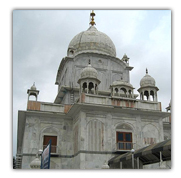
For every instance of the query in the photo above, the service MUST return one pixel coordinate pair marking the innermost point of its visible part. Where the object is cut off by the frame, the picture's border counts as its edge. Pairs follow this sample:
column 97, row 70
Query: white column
column 138, row 166
column 87, row 86
column 121, row 165
column 94, row 88
column 132, row 93
column 80, row 91
column 133, row 160
column 156, row 99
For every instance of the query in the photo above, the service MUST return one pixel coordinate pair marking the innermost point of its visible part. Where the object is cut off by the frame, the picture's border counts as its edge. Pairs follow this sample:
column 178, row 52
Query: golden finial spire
column 92, row 14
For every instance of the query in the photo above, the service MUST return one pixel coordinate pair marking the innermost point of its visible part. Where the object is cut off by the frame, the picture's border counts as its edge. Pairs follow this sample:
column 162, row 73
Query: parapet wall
column 120, row 101
column 49, row 107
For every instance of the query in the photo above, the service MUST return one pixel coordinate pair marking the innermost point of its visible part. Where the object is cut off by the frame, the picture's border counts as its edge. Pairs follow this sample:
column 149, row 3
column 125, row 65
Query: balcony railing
column 123, row 146
column 54, row 149
column 167, row 120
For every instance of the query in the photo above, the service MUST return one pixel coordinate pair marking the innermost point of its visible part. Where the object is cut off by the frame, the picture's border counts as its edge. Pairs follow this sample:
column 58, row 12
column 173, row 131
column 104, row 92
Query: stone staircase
column 18, row 161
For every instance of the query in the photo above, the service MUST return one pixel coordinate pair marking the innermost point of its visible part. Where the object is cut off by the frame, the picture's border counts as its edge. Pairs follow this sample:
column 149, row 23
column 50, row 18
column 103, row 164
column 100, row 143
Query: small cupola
column 36, row 163
column 169, row 107
column 147, row 80
column 125, row 58
column 33, row 92
column 148, row 89
column 88, row 80
column 121, row 88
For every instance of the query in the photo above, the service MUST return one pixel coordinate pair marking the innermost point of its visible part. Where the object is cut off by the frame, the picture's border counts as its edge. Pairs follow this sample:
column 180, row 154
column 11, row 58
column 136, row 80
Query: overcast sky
column 41, row 39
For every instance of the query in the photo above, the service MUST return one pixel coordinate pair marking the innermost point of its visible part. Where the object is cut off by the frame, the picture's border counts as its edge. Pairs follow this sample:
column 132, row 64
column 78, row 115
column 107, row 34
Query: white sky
column 7, row 66
column 41, row 38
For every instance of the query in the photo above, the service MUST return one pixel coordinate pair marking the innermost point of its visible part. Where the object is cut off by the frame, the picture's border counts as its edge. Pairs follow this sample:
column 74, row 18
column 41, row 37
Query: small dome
column 121, row 83
column 170, row 104
column 147, row 80
column 89, row 72
column 92, row 40
column 35, row 164
column 105, row 166
column 33, row 87
column 125, row 58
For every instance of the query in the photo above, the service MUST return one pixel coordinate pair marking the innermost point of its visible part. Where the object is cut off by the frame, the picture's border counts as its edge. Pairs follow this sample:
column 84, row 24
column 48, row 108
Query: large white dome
column 92, row 40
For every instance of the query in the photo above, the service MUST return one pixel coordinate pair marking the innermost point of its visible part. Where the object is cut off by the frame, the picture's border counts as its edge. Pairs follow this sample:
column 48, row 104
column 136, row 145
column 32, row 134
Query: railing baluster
column 124, row 145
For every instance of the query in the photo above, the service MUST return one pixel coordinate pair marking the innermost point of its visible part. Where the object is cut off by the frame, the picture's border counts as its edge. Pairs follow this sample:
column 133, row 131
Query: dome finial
column 33, row 87
column 92, row 14
column 146, row 71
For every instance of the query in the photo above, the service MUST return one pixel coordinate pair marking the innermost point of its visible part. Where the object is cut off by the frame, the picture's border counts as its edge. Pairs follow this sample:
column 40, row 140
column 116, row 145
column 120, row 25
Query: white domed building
column 95, row 115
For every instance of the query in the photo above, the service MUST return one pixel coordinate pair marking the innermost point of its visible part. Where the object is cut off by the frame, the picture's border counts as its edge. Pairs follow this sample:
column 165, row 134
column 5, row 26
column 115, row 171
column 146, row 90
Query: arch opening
column 146, row 95
column 91, row 86
column 123, row 92
column 116, row 92
column 151, row 95
column 84, row 87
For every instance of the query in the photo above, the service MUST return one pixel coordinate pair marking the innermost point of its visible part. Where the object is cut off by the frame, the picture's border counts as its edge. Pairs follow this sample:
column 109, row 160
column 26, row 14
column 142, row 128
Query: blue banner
column 45, row 157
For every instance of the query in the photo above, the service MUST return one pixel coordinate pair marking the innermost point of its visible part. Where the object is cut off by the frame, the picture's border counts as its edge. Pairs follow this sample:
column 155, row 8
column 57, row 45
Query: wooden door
column 54, row 142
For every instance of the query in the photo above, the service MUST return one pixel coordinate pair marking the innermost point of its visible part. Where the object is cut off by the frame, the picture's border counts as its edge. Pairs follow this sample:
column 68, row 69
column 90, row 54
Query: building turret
column 122, row 88
column 33, row 91
column 169, row 107
column 148, row 88
column 125, row 58
column 89, row 81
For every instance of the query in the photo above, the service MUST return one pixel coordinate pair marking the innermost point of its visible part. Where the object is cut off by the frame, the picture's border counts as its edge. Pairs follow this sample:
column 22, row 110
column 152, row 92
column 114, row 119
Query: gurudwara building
column 96, row 119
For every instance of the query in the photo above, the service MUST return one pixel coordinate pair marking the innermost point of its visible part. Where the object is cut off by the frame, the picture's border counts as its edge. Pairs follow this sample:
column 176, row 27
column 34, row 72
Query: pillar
column 94, row 88
column 138, row 166
column 121, row 165
column 156, row 99
column 87, row 87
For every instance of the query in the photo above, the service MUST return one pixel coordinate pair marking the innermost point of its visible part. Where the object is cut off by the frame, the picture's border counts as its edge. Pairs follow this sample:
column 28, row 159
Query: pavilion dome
column 147, row 80
column 92, row 40
column 36, row 163
column 89, row 72
column 33, row 87
column 121, row 83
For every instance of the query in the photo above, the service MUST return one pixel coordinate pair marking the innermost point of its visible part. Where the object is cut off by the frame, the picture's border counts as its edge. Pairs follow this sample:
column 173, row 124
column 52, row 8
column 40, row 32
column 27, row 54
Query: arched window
column 151, row 95
column 116, row 92
column 53, row 139
column 146, row 94
column 130, row 93
column 70, row 52
column 32, row 97
column 84, row 87
column 124, row 137
column 123, row 92
column 91, row 86
column 47, row 134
